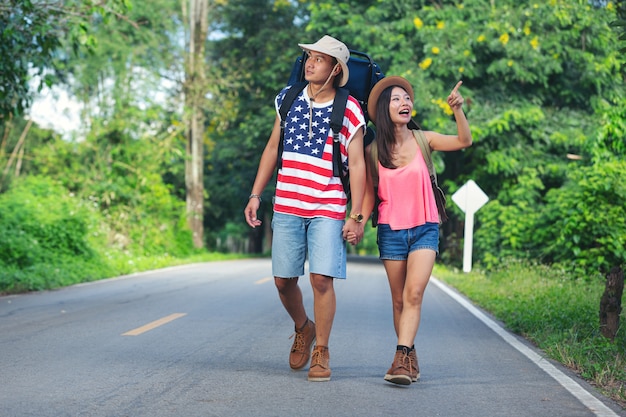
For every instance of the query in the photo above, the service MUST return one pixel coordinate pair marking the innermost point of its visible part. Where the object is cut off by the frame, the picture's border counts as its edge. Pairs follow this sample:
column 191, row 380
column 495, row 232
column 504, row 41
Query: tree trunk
column 611, row 303
column 18, row 153
column 195, row 91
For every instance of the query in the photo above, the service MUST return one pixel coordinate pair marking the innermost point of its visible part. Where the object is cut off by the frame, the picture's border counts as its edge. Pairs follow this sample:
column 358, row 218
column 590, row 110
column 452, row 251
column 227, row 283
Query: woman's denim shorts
column 296, row 237
column 397, row 244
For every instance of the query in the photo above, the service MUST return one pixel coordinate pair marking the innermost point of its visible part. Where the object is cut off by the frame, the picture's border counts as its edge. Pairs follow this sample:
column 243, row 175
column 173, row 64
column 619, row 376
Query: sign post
column 469, row 198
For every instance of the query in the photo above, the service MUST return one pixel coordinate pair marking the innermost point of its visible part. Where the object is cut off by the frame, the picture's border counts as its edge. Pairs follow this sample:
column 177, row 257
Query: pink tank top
column 406, row 195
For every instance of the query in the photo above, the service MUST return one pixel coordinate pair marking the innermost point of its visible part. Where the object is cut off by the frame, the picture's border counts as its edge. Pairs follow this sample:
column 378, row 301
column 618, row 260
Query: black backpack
column 364, row 73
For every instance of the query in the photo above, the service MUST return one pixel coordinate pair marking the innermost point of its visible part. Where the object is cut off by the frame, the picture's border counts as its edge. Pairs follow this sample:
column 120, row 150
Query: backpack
column 364, row 73
column 440, row 197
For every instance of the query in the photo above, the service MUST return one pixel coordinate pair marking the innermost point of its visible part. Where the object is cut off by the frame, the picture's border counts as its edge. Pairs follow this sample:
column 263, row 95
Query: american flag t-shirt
column 305, row 185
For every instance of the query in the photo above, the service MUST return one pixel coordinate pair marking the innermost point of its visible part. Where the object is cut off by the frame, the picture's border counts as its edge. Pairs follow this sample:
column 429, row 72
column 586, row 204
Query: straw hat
column 380, row 86
column 337, row 49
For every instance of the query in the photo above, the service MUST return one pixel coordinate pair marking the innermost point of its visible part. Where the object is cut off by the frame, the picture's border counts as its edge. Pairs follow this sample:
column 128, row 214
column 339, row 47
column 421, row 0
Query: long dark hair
column 385, row 129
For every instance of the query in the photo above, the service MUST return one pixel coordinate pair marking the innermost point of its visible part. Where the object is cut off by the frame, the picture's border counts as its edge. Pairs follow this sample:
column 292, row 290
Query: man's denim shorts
column 321, row 237
column 397, row 244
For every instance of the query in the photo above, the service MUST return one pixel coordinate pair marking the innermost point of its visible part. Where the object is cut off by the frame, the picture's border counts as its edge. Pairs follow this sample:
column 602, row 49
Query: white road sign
column 469, row 198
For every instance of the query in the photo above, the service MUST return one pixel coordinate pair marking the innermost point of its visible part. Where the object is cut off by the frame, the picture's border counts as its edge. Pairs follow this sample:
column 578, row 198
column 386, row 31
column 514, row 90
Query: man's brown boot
column 400, row 371
column 301, row 348
column 320, row 368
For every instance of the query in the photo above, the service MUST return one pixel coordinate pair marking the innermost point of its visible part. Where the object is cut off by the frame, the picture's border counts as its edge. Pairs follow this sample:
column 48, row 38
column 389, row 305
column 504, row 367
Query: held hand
column 353, row 232
column 352, row 239
column 250, row 213
column 455, row 100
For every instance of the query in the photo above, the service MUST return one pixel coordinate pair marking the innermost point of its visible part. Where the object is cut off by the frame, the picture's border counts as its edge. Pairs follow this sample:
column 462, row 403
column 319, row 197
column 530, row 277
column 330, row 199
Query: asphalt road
column 213, row 340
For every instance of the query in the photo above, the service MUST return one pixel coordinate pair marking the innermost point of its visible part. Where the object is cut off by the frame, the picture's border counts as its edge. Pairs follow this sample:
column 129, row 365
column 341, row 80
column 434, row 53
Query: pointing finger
column 456, row 88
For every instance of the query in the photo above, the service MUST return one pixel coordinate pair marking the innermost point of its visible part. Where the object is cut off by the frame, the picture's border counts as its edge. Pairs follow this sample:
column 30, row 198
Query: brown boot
column 301, row 348
column 415, row 368
column 400, row 371
column 320, row 368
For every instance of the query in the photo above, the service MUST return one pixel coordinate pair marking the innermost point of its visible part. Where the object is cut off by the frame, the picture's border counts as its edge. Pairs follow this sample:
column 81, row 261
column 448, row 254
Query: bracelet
column 255, row 196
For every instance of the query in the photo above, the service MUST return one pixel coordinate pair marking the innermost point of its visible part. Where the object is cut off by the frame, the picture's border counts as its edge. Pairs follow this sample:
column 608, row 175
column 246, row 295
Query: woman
column 408, row 220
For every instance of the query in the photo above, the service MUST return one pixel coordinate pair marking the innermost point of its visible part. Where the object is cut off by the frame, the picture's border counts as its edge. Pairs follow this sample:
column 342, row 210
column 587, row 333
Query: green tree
column 620, row 23
column 132, row 137
column 258, row 48
column 31, row 37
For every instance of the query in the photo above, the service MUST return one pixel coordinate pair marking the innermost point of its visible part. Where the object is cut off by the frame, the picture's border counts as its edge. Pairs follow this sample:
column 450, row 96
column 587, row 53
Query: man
column 310, row 203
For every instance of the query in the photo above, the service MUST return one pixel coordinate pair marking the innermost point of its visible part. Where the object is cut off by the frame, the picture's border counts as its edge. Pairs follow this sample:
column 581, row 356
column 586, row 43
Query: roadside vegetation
column 555, row 311
column 50, row 238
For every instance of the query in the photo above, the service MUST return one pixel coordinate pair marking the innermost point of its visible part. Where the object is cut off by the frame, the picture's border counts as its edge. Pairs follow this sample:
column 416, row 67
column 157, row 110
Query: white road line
column 591, row 402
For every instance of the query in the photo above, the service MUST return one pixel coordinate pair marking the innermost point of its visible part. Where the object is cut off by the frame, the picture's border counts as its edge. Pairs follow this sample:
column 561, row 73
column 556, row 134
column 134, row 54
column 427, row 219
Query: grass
column 556, row 312
column 68, row 271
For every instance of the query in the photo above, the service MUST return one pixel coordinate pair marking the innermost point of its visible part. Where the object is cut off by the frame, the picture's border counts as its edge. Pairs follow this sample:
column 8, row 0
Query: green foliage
column 610, row 141
column 43, row 227
column 30, row 39
column 121, row 177
column 40, row 217
column 51, row 237
column 25, row 27
column 586, row 230
column 574, row 225
column 620, row 22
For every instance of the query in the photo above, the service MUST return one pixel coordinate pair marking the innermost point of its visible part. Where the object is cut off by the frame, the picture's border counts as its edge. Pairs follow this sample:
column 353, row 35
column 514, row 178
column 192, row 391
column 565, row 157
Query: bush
column 582, row 227
column 43, row 229
column 40, row 221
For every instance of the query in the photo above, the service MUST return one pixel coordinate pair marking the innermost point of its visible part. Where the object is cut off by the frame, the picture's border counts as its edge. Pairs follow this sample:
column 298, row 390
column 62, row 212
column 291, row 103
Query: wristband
column 255, row 196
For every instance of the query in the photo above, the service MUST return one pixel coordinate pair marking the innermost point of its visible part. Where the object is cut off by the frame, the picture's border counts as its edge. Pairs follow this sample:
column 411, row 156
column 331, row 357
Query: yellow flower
column 435, row 50
column 526, row 30
column 444, row 106
column 466, row 53
column 481, row 38
column 504, row 38
column 510, row 63
column 418, row 23
column 609, row 6
column 426, row 63
column 440, row 24
column 461, row 69
column 534, row 43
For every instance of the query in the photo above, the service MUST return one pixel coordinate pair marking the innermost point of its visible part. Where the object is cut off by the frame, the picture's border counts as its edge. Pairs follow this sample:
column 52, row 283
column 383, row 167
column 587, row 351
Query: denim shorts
column 296, row 237
column 397, row 244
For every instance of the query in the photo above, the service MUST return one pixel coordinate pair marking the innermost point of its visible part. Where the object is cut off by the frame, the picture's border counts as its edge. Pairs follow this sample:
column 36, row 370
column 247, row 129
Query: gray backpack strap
column 425, row 148
column 440, row 197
